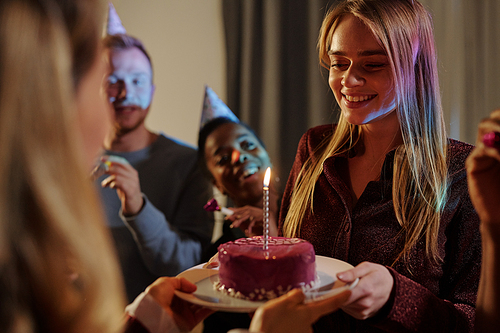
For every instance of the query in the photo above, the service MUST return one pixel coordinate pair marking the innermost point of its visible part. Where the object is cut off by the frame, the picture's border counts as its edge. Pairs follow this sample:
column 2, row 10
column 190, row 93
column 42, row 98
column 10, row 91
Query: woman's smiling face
column 360, row 73
column 237, row 161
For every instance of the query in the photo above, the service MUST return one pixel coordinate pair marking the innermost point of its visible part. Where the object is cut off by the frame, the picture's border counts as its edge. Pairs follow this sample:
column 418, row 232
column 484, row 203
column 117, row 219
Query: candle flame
column 267, row 177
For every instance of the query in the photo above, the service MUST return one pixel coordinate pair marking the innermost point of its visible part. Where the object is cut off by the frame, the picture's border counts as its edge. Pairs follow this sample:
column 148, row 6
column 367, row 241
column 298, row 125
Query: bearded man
column 153, row 191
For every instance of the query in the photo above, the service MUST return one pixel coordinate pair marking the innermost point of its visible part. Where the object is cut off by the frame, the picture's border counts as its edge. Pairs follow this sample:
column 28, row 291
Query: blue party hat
column 214, row 107
column 114, row 25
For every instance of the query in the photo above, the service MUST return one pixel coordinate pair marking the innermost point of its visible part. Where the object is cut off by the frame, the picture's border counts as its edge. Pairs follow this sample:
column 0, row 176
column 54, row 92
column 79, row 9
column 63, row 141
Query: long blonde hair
column 51, row 223
column 404, row 29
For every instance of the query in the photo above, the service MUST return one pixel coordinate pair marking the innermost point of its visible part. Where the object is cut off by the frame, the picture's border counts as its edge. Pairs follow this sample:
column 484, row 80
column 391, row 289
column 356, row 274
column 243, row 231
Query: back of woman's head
column 50, row 221
column 83, row 23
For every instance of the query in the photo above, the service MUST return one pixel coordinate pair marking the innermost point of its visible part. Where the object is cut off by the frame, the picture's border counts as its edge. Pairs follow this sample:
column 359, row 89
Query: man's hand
column 125, row 179
column 483, row 172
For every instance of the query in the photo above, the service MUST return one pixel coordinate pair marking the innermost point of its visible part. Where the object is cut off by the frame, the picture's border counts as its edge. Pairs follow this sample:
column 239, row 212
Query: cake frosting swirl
column 247, row 271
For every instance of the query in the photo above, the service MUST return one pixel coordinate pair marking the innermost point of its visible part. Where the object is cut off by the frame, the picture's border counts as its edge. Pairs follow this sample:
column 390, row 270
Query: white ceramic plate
column 206, row 295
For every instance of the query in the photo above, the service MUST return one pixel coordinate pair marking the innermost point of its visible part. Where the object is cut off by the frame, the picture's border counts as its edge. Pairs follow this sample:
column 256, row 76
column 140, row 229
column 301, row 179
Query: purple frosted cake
column 247, row 271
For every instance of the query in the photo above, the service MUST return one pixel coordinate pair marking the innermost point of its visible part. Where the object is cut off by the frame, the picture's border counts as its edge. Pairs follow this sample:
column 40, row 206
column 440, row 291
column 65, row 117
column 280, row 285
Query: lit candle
column 267, row 177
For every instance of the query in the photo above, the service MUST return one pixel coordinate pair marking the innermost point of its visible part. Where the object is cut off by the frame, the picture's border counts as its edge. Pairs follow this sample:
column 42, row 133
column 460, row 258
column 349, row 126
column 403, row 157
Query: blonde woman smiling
column 384, row 189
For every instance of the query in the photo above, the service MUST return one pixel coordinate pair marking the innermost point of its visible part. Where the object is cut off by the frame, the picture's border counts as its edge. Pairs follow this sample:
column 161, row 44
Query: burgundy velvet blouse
column 429, row 297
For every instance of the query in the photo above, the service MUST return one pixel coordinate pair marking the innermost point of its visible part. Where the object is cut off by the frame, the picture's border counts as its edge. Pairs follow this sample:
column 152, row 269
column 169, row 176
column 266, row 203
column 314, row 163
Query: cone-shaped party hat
column 114, row 26
column 214, row 107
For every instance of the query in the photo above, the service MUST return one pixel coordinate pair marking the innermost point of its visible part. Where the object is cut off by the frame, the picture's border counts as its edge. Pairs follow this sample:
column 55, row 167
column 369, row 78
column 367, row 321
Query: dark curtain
column 468, row 43
column 275, row 84
column 274, row 81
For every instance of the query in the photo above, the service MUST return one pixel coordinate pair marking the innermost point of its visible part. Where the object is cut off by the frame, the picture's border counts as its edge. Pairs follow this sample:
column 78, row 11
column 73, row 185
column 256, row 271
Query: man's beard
column 120, row 131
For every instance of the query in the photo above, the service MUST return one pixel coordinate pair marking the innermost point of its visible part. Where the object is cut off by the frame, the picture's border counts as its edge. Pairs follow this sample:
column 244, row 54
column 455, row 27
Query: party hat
column 114, row 26
column 214, row 107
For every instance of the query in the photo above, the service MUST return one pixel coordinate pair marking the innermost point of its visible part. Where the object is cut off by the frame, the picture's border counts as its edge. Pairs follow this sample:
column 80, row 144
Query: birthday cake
column 248, row 271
